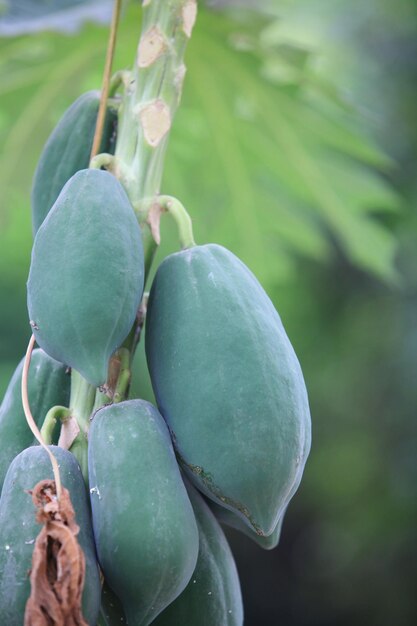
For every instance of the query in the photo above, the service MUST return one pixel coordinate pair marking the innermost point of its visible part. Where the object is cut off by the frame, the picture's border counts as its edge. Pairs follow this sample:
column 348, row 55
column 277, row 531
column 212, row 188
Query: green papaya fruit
column 111, row 610
column 228, row 518
column 68, row 150
column 86, row 275
column 213, row 596
column 144, row 526
column 141, row 386
column 48, row 385
column 19, row 529
column 228, row 383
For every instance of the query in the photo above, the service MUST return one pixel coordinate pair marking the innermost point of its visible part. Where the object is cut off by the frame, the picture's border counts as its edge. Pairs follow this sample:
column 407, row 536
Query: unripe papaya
column 144, row 526
column 67, row 151
column 48, row 385
column 86, row 275
column 111, row 610
column 140, row 385
column 228, row 383
column 213, row 596
column 19, row 529
column 228, row 518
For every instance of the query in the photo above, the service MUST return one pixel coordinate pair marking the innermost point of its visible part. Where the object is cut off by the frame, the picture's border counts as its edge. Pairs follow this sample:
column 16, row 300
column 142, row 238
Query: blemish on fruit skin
column 95, row 490
column 211, row 278
column 207, row 480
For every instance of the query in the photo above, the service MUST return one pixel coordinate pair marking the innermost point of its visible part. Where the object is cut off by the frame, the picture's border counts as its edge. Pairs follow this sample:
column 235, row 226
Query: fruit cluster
column 232, row 423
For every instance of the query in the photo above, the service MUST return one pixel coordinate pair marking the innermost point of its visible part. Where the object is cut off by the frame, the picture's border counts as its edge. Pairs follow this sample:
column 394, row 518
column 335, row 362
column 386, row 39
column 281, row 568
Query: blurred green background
column 295, row 146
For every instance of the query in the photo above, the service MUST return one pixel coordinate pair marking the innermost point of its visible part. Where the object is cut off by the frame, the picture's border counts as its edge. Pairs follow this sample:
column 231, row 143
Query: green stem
column 81, row 405
column 81, row 400
column 149, row 249
column 123, row 380
column 150, row 102
column 182, row 219
column 55, row 414
column 79, row 449
column 119, row 377
column 152, row 92
column 101, row 399
column 133, row 337
column 119, row 78
column 102, row 160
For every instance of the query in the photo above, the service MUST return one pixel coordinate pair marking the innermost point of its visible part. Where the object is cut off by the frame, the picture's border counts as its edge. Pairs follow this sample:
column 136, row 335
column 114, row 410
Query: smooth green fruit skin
column 86, row 275
column 213, row 596
column 228, row 383
column 228, row 518
column 144, row 526
column 18, row 531
column 48, row 385
column 68, row 150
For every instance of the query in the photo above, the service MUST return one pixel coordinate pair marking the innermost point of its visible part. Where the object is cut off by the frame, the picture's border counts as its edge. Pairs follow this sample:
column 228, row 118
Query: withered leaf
column 58, row 563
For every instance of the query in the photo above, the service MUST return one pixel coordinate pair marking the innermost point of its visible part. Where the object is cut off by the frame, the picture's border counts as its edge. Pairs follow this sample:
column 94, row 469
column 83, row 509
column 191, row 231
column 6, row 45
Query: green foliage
column 261, row 160
column 355, row 518
column 282, row 150
column 28, row 16
column 242, row 428
column 271, row 153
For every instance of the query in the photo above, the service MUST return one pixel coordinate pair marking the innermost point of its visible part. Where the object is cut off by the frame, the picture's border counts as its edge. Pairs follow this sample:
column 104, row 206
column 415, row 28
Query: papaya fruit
column 213, row 596
column 48, row 385
column 86, row 275
column 19, row 529
column 144, row 526
column 140, row 385
column 111, row 610
column 68, row 150
column 228, row 383
column 228, row 518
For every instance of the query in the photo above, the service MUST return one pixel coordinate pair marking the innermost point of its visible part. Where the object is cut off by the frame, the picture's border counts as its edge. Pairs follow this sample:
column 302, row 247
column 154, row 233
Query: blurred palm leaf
column 19, row 17
column 265, row 152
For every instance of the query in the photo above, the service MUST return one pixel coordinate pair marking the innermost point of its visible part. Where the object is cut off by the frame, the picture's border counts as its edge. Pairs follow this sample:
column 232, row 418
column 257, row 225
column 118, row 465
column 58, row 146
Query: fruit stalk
column 74, row 430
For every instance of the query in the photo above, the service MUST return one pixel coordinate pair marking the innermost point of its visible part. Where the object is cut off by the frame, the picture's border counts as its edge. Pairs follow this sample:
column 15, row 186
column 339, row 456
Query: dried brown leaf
column 58, row 563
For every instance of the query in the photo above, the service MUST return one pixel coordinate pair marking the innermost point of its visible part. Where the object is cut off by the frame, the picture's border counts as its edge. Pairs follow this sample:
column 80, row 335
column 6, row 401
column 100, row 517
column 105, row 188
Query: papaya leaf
column 267, row 154
column 29, row 16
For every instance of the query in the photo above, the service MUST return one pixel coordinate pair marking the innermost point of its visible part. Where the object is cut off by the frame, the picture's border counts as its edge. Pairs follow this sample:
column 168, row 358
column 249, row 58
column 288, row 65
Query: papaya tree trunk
column 151, row 93
column 151, row 96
